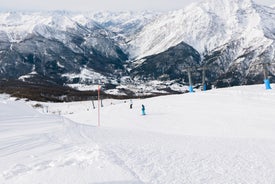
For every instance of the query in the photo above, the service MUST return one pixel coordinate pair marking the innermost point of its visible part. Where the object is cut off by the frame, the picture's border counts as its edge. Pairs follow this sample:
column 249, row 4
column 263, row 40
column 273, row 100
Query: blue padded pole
column 267, row 84
column 191, row 89
column 204, row 87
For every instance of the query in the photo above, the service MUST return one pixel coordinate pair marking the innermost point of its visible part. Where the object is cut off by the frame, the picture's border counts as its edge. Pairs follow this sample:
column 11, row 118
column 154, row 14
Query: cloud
column 87, row 5
column 93, row 4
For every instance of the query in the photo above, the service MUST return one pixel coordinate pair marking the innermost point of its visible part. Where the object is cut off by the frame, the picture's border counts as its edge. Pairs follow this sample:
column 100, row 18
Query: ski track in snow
column 57, row 144
column 41, row 148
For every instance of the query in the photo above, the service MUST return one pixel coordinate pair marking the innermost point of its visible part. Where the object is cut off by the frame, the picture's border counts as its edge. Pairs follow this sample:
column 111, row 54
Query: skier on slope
column 131, row 104
column 143, row 109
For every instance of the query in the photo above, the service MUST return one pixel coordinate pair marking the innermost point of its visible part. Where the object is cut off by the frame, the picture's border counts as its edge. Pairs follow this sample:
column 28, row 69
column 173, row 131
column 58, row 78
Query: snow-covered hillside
column 218, row 136
column 207, row 25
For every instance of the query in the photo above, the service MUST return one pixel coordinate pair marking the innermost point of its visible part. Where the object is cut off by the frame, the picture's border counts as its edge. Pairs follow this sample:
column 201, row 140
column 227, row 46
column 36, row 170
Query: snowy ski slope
column 219, row 136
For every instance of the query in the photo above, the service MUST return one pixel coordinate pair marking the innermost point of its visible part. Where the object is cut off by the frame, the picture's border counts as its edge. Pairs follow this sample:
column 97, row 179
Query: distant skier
column 131, row 103
column 143, row 109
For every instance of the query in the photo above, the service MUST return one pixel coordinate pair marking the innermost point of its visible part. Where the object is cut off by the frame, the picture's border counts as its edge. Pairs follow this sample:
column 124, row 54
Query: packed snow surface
column 219, row 136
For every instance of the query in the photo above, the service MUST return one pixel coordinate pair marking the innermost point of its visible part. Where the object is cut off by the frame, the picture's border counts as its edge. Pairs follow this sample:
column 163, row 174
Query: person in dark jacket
column 131, row 103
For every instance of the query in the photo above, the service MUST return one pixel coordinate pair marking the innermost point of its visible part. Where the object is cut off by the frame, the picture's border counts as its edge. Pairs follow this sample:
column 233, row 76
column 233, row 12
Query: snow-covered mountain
column 125, row 23
column 65, row 45
column 206, row 26
column 240, row 30
column 54, row 44
column 232, row 37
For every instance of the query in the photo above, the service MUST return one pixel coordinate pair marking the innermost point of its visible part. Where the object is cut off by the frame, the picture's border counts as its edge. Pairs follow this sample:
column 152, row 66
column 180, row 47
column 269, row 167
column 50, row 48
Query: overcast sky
column 114, row 5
